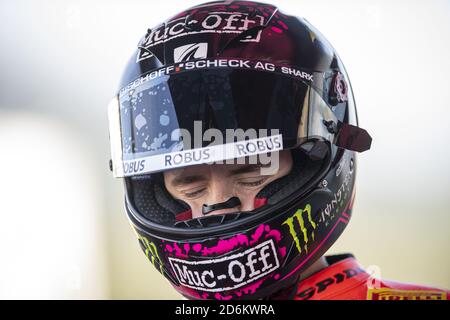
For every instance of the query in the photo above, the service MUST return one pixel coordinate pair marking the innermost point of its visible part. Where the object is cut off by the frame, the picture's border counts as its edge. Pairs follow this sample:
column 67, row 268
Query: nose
column 221, row 200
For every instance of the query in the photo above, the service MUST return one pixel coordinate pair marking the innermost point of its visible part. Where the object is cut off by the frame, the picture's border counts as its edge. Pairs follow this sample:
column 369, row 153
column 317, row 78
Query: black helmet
column 236, row 65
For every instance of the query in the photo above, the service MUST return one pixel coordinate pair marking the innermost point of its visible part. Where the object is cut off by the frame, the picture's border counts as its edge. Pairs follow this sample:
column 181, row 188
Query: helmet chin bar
column 230, row 203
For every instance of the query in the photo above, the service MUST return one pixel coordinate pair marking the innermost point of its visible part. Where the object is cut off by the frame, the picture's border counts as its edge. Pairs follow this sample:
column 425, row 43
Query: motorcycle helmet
column 237, row 65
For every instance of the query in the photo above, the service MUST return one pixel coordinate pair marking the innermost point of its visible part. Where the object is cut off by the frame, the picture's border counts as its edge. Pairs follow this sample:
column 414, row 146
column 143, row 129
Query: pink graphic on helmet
column 208, row 270
column 226, row 245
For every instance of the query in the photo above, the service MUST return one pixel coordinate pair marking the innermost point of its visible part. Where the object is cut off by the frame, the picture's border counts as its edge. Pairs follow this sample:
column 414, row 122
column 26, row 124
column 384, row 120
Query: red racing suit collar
column 346, row 279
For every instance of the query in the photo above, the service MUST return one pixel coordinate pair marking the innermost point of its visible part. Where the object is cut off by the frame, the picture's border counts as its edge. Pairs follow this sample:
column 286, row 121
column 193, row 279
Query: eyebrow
column 247, row 169
column 188, row 179
column 184, row 180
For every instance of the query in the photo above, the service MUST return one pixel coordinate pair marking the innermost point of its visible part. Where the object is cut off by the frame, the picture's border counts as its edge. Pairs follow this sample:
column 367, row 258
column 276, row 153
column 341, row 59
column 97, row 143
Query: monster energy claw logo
column 297, row 220
column 151, row 253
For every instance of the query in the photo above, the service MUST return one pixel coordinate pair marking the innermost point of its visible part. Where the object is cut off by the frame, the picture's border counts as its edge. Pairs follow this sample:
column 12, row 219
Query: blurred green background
column 63, row 230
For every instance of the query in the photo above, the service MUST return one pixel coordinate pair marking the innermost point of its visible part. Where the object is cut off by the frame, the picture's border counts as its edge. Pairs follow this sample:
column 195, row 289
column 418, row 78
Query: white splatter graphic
column 140, row 121
column 157, row 142
column 164, row 119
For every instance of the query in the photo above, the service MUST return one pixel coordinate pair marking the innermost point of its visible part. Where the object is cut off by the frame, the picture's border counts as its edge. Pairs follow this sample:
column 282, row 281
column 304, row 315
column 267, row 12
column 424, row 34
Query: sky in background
column 63, row 230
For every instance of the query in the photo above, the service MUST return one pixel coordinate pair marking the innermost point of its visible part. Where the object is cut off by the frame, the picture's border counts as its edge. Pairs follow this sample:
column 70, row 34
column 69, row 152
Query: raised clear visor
column 164, row 121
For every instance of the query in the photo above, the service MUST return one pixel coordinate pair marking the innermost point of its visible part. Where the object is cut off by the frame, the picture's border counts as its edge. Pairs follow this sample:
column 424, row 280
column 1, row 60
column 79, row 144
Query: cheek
column 248, row 200
column 196, row 207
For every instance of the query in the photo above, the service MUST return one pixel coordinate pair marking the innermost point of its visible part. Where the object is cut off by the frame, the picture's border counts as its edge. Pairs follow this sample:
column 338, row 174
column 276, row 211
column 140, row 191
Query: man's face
column 211, row 184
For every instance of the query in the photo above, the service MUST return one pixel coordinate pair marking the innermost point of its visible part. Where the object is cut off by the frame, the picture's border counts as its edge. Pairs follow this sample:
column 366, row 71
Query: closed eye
column 194, row 194
column 254, row 183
